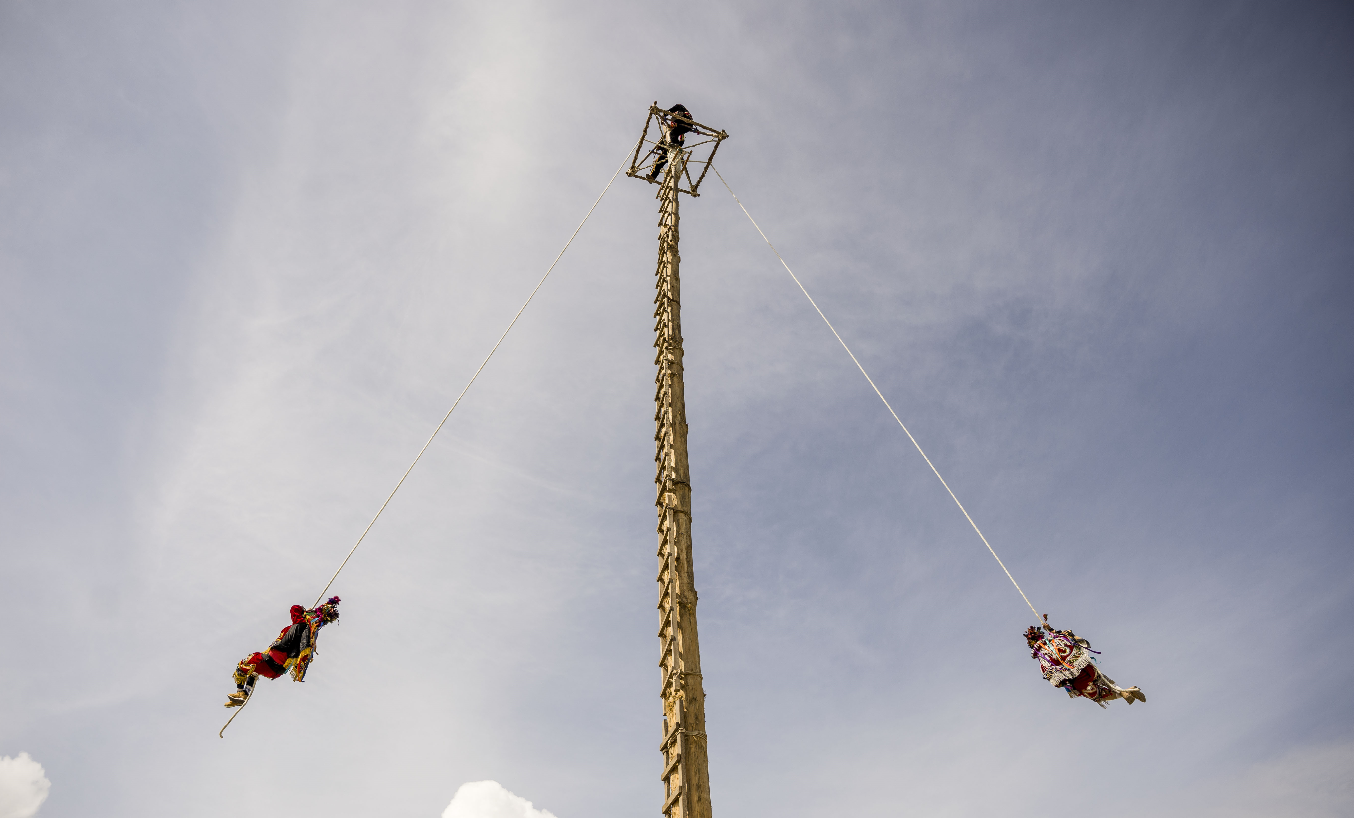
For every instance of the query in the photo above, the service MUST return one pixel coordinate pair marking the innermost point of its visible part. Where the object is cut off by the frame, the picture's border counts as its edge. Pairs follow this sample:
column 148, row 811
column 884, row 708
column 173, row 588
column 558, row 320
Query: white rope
column 877, row 392
column 472, row 379
column 250, row 695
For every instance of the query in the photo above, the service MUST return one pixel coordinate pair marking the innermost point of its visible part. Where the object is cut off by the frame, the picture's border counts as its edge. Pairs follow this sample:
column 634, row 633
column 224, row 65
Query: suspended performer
column 1065, row 659
column 676, row 125
column 291, row 651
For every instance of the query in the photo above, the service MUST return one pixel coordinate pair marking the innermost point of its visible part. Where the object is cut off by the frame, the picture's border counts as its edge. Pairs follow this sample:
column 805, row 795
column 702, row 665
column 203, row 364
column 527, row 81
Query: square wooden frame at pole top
column 643, row 159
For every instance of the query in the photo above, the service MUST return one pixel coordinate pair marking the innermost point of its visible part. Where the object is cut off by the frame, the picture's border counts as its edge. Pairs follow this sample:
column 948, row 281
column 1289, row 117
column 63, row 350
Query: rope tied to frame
column 877, row 392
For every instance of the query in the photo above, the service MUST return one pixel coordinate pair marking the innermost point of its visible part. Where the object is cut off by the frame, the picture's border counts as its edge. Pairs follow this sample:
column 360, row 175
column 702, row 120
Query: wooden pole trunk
column 686, row 775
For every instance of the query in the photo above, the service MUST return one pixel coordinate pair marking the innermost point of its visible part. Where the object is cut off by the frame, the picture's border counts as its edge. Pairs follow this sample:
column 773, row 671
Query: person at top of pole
column 291, row 651
column 1066, row 662
column 676, row 124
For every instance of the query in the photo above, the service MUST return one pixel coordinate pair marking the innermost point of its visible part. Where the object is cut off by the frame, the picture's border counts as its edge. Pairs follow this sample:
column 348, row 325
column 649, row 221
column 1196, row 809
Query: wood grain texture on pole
column 686, row 777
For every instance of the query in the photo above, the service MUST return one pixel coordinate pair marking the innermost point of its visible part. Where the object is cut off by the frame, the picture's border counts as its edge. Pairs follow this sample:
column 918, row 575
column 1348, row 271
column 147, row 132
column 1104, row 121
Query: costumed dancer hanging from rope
column 1066, row 662
column 292, row 651
column 1064, row 657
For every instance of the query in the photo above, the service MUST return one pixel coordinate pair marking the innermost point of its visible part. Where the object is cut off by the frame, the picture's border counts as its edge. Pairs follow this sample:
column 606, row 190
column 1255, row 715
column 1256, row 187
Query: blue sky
column 1097, row 256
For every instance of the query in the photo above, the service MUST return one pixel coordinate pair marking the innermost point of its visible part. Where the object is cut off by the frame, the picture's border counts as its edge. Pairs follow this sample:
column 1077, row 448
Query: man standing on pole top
column 675, row 128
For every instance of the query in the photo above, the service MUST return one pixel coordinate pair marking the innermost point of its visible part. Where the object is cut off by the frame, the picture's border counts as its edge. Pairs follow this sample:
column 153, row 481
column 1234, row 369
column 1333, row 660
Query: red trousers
column 269, row 665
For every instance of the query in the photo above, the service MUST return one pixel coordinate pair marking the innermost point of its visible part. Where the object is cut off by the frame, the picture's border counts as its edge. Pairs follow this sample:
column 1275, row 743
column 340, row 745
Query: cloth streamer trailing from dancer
column 292, row 651
column 1066, row 662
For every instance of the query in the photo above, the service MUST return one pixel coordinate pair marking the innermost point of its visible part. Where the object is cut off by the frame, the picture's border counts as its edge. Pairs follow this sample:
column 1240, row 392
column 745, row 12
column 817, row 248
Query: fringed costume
column 291, row 651
column 1066, row 662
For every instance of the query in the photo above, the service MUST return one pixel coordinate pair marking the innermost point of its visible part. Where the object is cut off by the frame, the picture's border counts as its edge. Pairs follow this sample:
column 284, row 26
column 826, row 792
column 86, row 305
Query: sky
column 1097, row 256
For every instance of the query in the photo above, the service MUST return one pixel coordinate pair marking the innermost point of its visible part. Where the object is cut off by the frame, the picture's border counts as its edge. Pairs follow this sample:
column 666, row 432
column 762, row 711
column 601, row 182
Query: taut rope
column 877, row 392
column 511, row 324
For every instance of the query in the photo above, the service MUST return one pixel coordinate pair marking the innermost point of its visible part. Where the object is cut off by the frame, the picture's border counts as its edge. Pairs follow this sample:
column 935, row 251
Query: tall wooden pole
column 686, row 774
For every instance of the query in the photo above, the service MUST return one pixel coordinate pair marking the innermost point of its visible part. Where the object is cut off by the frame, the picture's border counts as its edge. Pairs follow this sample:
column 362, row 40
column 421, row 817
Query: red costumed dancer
column 1065, row 659
column 291, row 651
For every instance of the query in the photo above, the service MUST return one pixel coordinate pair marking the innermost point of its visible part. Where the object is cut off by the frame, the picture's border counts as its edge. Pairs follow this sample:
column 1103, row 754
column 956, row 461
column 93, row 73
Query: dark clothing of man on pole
column 675, row 128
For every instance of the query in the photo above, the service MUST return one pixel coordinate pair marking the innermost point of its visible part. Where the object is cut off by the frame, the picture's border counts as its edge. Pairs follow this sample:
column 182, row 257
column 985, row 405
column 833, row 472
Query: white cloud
column 488, row 799
column 23, row 786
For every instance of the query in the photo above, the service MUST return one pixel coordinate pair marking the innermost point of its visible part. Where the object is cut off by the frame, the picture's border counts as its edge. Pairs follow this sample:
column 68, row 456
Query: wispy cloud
column 1311, row 782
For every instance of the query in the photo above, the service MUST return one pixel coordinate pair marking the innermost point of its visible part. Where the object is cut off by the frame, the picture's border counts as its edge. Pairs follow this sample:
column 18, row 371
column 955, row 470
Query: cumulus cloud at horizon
column 490, row 799
column 23, row 786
